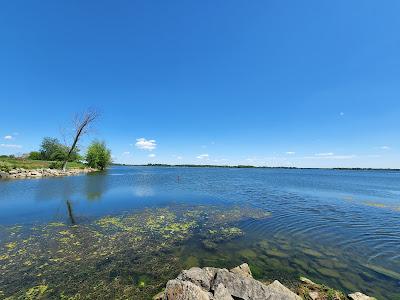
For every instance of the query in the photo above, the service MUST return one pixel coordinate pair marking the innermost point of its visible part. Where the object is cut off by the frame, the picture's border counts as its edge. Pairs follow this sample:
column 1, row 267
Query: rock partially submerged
column 238, row 284
column 360, row 296
column 221, row 284
column 19, row 173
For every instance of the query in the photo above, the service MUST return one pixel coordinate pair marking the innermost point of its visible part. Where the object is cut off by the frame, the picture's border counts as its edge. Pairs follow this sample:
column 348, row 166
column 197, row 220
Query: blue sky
column 278, row 83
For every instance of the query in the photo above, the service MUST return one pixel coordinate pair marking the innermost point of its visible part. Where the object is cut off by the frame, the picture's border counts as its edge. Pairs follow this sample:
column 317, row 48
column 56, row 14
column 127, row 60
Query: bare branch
column 82, row 124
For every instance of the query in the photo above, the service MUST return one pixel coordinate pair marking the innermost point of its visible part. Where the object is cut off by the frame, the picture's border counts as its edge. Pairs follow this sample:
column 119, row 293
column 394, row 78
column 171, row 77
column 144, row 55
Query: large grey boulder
column 240, row 286
column 247, row 288
column 236, row 284
column 279, row 291
column 184, row 290
column 3, row 175
column 243, row 270
column 222, row 293
column 221, row 284
column 197, row 276
column 211, row 272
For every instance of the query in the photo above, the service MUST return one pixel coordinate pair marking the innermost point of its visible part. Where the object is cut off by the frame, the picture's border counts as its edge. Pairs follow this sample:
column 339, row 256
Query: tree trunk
column 81, row 125
column 64, row 167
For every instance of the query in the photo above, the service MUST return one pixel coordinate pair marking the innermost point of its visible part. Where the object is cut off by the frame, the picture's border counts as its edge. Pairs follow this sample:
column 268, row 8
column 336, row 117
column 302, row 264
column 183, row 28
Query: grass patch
column 36, row 164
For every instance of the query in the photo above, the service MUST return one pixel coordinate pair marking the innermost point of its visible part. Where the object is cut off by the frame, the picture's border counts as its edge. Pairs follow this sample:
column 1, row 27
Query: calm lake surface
column 340, row 228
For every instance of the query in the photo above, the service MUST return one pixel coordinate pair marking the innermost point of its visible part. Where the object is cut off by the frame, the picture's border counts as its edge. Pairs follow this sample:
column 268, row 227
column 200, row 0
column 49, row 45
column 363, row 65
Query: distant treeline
column 252, row 167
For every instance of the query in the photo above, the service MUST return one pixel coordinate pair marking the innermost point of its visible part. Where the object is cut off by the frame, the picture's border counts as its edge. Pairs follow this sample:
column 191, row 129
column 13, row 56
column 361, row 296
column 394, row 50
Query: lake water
column 340, row 228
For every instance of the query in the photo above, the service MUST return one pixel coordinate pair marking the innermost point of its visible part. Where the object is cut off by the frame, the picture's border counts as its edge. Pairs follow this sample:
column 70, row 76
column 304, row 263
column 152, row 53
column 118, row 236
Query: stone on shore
column 221, row 284
column 238, row 284
column 19, row 173
column 360, row 296
column 184, row 290
column 3, row 175
column 243, row 270
column 222, row 293
column 197, row 276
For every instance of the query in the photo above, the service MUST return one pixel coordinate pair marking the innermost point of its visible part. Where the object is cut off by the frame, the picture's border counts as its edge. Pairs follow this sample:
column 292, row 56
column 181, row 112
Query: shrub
column 52, row 149
column 35, row 155
column 5, row 166
column 56, row 165
column 98, row 156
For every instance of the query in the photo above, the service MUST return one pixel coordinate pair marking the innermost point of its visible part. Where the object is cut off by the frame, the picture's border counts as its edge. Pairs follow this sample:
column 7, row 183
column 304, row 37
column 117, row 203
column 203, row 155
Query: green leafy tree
column 49, row 147
column 52, row 149
column 98, row 156
column 35, row 155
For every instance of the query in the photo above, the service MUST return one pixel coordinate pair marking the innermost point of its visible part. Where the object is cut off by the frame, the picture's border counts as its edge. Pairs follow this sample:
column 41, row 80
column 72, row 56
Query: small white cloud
column 8, row 137
column 341, row 114
column 152, row 155
column 10, row 146
column 203, row 156
column 179, row 157
column 385, row 147
column 325, row 154
column 290, row 153
column 145, row 144
column 126, row 153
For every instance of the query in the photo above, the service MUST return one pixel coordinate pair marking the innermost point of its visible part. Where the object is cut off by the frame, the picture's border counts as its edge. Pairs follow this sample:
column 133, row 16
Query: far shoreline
column 251, row 167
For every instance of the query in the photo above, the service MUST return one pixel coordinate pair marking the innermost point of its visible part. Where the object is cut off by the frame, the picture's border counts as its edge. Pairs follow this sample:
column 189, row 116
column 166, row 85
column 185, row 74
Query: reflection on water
column 70, row 211
column 337, row 227
column 144, row 191
column 95, row 186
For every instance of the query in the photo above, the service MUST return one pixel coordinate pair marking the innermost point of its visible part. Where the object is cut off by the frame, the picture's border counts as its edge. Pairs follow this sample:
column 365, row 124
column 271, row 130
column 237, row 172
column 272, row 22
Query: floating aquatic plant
column 129, row 255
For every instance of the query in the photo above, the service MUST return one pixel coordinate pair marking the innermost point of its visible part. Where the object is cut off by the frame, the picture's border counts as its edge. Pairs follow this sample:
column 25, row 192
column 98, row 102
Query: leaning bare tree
column 82, row 123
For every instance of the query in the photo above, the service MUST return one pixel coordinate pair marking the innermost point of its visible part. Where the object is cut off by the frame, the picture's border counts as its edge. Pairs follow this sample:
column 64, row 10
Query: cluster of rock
column 37, row 173
column 220, row 284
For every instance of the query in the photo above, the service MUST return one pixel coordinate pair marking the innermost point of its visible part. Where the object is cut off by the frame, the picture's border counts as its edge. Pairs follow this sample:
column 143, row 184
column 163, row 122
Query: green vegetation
column 131, row 255
column 308, row 287
column 35, row 155
column 5, row 166
column 52, row 154
column 51, row 149
column 98, row 156
column 8, row 163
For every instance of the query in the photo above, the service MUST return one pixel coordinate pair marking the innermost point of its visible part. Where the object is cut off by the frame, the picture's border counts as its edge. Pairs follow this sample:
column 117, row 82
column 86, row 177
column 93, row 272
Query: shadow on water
column 70, row 212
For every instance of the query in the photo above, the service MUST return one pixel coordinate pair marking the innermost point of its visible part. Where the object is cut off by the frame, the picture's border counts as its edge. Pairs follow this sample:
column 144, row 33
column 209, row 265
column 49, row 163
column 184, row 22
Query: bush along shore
column 19, row 173
column 238, row 284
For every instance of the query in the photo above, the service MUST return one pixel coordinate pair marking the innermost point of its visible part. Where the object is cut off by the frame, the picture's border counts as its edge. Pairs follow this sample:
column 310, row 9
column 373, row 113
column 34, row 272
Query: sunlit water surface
column 340, row 228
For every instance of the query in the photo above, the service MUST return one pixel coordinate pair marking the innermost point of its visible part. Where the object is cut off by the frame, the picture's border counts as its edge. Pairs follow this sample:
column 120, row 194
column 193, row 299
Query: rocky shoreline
column 238, row 284
column 20, row 173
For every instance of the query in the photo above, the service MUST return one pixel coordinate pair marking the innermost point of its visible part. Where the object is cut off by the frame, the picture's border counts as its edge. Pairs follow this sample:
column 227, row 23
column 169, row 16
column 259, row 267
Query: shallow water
column 341, row 228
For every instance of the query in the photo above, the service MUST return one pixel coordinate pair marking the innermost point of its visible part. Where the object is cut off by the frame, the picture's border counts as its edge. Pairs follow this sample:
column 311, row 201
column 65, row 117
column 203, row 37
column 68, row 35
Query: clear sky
column 277, row 83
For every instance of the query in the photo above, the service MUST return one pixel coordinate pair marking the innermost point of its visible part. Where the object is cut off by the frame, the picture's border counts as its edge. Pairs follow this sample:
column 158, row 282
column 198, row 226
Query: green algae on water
column 131, row 255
